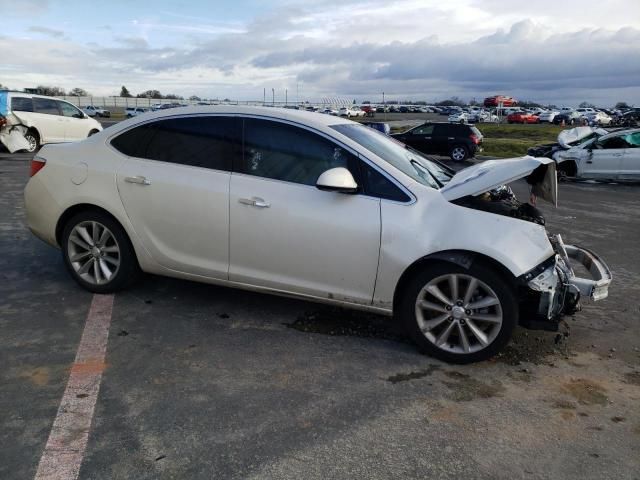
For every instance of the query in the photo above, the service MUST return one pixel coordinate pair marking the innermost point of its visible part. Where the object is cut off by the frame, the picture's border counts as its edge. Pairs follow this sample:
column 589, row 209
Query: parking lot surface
column 208, row 382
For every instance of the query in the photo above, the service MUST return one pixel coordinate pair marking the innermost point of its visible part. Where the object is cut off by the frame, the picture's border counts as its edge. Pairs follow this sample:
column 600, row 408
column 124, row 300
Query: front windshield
column 404, row 158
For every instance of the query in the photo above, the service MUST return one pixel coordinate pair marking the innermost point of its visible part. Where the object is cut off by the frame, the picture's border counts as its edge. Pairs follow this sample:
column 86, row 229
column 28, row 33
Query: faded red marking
column 63, row 454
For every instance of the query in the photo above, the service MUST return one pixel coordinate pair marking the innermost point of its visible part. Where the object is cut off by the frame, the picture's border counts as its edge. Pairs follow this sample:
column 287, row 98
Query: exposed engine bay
column 502, row 201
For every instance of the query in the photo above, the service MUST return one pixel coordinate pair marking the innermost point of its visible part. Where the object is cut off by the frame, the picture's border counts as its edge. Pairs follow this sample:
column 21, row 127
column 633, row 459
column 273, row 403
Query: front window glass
column 408, row 161
column 69, row 110
column 284, row 152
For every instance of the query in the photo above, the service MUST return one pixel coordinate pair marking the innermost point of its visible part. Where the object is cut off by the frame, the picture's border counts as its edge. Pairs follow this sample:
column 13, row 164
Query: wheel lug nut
column 468, row 312
column 448, row 307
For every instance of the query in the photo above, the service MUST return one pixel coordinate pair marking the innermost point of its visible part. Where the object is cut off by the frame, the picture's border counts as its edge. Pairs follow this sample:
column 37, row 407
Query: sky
column 550, row 51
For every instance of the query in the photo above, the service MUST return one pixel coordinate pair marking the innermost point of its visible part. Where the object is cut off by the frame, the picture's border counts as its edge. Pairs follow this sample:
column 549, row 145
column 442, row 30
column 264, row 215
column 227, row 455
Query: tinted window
column 423, row 130
column 444, row 130
column 207, row 142
column 284, row 152
column 69, row 110
column 22, row 104
column 377, row 185
column 46, row 105
column 613, row 143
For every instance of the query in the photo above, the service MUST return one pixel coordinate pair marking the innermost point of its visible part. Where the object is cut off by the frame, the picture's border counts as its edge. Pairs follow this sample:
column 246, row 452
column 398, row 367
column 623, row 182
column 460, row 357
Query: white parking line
column 63, row 454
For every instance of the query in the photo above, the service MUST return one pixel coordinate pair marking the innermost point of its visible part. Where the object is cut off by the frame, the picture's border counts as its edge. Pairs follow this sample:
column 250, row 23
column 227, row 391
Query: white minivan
column 39, row 120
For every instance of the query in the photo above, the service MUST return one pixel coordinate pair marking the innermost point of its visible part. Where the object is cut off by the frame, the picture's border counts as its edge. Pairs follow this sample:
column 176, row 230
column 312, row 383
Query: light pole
column 273, row 97
column 384, row 107
column 264, row 96
column 286, row 98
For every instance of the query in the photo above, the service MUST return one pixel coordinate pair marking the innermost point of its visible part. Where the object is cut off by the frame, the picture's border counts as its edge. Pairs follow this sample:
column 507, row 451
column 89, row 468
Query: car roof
column 312, row 119
column 620, row 133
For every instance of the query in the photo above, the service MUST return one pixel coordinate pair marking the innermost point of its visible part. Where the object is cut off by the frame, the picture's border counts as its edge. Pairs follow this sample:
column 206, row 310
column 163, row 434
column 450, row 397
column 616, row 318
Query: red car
column 369, row 110
column 522, row 117
column 496, row 100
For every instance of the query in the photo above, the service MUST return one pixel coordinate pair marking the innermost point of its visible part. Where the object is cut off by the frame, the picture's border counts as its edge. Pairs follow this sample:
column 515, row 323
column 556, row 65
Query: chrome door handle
column 140, row 180
column 451, row 138
column 254, row 202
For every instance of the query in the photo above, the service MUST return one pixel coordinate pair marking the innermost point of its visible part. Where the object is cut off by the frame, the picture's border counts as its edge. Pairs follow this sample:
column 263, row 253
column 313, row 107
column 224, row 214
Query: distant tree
column 586, row 105
column 195, row 98
column 528, row 104
column 124, row 92
column 452, row 101
column 150, row 94
column 473, row 102
column 172, row 96
column 50, row 91
column 79, row 92
column 620, row 105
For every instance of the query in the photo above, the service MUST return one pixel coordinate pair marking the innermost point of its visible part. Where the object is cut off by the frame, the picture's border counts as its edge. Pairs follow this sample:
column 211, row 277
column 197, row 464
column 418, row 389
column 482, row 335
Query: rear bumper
column 560, row 288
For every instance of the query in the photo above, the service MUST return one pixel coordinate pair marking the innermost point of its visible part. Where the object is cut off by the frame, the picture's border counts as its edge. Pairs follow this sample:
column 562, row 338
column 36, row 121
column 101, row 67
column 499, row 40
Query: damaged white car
column 567, row 139
column 317, row 207
column 614, row 156
column 28, row 121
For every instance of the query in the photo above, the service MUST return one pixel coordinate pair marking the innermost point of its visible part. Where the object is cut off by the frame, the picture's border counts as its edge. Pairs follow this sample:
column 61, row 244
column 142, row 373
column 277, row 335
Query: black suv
column 458, row 141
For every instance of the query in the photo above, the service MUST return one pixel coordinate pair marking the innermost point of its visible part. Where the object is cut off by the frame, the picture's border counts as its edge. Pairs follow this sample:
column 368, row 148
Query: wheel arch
column 462, row 258
column 82, row 207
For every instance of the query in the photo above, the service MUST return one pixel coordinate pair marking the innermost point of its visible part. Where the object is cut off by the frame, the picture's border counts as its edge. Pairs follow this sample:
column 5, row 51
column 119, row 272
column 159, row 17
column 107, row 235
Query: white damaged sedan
column 317, row 207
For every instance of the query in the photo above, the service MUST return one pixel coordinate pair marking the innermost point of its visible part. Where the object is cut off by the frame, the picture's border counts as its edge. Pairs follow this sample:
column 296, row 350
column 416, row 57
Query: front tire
column 97, row 253
column 459, row 315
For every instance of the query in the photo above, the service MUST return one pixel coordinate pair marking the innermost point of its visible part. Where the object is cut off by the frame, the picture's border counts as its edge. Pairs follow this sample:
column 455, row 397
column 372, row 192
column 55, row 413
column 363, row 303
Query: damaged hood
column 488, row 175
column 567, row 138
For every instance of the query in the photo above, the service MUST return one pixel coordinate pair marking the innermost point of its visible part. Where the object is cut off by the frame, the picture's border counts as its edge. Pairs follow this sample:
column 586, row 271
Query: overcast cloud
column 549, row 51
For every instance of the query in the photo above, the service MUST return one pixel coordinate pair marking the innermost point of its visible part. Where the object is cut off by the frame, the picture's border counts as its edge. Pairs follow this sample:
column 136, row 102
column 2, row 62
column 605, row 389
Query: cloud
column 356, row 48
column 52, row 32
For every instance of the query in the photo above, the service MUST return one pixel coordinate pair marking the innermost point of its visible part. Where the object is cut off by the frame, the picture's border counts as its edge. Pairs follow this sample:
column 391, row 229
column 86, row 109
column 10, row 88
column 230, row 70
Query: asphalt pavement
column 209, row 382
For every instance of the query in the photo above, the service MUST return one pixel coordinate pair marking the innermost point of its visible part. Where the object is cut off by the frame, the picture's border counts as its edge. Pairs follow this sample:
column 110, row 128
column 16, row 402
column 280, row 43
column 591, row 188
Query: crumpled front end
column 556, row 290
column 12, row 130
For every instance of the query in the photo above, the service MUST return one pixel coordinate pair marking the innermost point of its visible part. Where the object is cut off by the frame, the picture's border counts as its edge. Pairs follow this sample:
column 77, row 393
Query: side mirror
column 337, row 179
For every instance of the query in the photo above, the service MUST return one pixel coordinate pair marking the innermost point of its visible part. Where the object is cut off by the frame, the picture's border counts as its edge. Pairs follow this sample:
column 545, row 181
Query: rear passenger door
column 443, row 138
column 174, row 185
column 421, row 138
column 630, row 169
column 47, row 119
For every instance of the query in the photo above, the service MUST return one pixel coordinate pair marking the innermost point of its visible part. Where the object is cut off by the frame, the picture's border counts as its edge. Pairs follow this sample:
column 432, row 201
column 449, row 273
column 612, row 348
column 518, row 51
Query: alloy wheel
column 458, row 154
column 458, row 313
column 93, row 252
column 33, row 142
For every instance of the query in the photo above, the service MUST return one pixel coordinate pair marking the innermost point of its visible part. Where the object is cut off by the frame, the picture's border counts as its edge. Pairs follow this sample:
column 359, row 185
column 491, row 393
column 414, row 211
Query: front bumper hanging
column 561, row 289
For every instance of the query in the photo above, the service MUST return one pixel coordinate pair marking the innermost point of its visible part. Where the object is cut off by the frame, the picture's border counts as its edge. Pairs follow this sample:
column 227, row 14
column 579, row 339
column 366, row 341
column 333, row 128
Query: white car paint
column 272, row 235
column 134, row 111
column 548, row 116
column 353, row 111
column 458, row 117
column 93, row 111
column 59, row 122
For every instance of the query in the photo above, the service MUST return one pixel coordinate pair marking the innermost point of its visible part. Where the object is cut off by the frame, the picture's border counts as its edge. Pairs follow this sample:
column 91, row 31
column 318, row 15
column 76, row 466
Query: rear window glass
column 22, row 104
column 207, row 142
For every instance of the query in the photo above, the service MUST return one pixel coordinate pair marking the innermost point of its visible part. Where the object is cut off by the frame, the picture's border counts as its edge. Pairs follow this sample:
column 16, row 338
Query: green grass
column 504, row 141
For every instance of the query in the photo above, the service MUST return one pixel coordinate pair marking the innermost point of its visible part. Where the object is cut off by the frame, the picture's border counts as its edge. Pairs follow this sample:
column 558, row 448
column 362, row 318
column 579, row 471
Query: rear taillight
column 3, row 121
column 37, row 164
column 474, row 138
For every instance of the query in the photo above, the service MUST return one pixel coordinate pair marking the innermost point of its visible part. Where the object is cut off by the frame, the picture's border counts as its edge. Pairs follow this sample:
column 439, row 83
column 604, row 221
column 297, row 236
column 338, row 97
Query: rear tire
column 34, row 140
column 459, row 153
column 97, row 253
column 463, row 324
